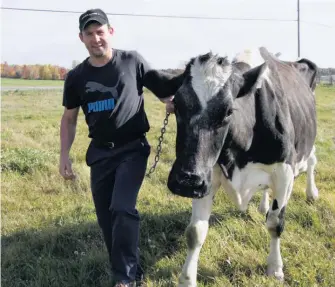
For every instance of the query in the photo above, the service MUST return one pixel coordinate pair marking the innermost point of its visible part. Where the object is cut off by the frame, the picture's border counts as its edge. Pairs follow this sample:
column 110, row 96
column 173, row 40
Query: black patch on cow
column 241, row 67
column 222, row 61
column 250, row 80
column 191, row 237
column 275, row 204
column 281, row 224
column 204, row 58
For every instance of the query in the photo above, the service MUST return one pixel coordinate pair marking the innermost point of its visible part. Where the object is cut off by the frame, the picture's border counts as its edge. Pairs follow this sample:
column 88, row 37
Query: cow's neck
column 240, row 129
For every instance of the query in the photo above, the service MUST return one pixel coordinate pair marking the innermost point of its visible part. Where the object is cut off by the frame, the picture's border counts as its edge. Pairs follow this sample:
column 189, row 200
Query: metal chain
column 159, row 146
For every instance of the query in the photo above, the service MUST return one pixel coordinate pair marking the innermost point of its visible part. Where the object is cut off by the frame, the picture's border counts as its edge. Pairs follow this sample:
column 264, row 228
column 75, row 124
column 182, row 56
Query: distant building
column 329, row 79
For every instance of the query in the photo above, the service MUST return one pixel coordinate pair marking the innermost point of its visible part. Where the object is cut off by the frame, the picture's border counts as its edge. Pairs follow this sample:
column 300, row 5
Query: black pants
column 116, row 177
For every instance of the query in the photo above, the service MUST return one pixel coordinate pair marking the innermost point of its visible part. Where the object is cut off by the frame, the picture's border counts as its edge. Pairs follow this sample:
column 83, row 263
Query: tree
column 34, row 72
column 55, row 73
column 62, row 73
column 25, row 72
column 5, row 69
column 11, row 72
column 45, row 72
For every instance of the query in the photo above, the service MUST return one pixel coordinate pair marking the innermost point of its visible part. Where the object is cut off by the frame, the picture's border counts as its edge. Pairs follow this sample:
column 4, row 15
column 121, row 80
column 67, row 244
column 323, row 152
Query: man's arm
column 67, row 136
column 162, row 84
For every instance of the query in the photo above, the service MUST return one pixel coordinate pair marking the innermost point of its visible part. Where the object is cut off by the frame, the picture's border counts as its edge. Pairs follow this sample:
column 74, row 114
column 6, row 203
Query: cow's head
column 204, row 106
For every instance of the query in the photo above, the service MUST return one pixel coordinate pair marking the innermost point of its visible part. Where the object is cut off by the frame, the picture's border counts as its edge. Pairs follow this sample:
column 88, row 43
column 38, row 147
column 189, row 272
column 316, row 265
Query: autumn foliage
column 33, row 72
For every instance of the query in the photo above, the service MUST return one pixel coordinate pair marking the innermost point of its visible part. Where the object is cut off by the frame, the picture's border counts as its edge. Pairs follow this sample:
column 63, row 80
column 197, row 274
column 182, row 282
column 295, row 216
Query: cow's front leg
column 282, row 180
column 264, row 204
column 196, row 233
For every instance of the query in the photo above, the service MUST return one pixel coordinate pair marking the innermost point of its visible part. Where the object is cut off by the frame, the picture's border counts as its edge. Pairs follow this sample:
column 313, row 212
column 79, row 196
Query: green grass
column 50, row 235
column 6, row 82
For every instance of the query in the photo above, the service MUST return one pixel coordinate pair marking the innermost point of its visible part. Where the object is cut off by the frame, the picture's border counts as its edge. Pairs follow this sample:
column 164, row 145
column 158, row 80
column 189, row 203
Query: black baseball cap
column 91, row 15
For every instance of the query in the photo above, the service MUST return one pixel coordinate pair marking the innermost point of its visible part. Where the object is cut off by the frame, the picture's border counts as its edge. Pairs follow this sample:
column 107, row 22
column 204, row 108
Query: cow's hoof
column 277, row 272
column 312, row 195
column 184, row 281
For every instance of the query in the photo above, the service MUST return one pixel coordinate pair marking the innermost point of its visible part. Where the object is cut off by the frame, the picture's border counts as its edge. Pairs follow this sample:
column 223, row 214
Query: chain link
column 159, row 146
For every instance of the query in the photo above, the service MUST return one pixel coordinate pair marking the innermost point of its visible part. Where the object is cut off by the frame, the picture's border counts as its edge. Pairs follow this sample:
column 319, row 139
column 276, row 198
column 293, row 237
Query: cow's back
column 276, row 124
column 296, row 100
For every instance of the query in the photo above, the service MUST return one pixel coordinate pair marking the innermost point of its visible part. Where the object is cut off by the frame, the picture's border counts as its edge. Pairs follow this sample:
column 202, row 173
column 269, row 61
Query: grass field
column 50, row 236
column 6, row 82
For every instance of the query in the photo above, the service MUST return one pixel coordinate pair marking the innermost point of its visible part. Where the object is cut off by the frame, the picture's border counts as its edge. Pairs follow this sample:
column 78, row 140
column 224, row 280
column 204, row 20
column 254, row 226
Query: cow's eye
column 228, row 116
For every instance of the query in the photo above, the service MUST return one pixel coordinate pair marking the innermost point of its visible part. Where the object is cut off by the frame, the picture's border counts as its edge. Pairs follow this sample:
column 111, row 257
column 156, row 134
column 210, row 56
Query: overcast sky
column 52, row 38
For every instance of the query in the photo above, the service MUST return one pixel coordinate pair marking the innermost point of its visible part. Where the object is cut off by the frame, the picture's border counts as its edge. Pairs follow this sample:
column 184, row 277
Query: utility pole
column 298, row 20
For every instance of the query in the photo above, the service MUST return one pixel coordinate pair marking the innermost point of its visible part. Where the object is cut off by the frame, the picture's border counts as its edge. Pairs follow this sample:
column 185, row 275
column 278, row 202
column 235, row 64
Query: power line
column 154, row 15
column 316, row 23
column 171, row 16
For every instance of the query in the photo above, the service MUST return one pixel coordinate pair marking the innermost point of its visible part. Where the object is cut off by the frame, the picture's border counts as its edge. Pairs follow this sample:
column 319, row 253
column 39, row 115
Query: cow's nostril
column 189, row 179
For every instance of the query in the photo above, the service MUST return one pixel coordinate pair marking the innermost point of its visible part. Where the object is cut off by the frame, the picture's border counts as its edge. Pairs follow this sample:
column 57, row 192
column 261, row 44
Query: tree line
column 52, row 72
column 33, row 72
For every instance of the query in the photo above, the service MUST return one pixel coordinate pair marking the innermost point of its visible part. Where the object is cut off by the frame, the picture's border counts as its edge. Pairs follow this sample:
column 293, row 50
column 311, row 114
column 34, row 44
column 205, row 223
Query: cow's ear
column 176, row 82
column 251, row 80
column 308, row 70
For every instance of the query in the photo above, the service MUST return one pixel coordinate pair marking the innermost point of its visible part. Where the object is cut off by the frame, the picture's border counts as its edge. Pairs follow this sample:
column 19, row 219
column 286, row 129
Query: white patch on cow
column 208, row 78
column 265, row 76
column 264, row 204
column 252, row 57
column 308, row 164
column 246, row 181
column 300, row 167
column 196, row 232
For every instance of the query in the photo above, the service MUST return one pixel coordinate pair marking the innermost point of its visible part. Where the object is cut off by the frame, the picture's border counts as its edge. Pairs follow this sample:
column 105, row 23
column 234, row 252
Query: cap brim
column 94, row 19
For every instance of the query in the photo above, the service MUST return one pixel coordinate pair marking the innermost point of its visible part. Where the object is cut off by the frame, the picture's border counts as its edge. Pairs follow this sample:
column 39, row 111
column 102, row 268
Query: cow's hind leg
column 311, row 190
column 282, row 184
column 196, row 233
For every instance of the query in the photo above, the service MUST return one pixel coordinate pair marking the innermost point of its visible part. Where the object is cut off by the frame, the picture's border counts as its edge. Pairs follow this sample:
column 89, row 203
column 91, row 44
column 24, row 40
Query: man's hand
column 67, row 134
column 65, row 168
column 169, row 104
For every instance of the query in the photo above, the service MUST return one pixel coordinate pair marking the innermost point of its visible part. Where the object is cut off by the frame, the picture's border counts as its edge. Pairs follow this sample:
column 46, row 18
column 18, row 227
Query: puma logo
column 94, row 86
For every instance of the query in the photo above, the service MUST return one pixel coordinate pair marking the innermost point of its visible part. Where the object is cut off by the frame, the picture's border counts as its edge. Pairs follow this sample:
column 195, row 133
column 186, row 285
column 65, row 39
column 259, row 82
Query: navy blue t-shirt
column 111, row 96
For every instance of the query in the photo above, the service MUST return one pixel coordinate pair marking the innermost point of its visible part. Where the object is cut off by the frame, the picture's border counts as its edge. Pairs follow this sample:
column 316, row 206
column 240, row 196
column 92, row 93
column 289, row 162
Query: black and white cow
column 246, row 126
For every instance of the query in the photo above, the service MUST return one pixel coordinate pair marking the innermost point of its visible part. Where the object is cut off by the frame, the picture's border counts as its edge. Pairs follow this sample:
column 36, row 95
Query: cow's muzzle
column 187, row 184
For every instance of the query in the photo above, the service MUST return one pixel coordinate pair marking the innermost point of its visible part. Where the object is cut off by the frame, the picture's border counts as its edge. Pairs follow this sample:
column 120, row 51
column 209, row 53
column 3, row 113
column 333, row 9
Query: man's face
column 96, row 39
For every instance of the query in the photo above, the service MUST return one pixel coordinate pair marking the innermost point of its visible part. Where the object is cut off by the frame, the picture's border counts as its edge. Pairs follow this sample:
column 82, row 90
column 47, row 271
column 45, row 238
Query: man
column 108, row 87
